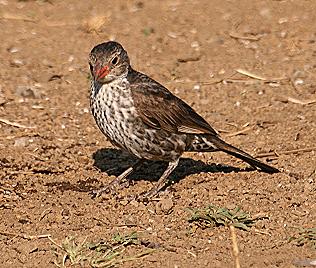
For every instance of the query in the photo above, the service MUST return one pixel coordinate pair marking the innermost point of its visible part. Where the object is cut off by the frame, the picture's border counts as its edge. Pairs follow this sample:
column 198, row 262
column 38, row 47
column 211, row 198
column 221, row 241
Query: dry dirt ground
column 248, row 67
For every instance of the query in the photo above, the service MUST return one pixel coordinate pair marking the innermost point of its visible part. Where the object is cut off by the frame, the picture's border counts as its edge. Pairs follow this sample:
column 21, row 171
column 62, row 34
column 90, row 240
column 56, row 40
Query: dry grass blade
column 24, row 236
column 251, row 75
column 189, row 81
column 14, row 124
column 274, row 153
column 61, row 23
column 8, row 16
column 242, row 37
column 259, row 77
column 239, row 132
column 213, row 216
column 302, row 102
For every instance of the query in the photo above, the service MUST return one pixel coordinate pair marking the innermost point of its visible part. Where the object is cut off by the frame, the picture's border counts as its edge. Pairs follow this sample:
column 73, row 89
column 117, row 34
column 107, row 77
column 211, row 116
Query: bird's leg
column 118, row 179
column 161, row 182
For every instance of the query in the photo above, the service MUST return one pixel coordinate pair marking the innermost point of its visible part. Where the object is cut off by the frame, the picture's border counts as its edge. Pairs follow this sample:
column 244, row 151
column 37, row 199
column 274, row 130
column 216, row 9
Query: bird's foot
column 99, row 192
column 112, row 187
column 147, row 196
column 143, row 197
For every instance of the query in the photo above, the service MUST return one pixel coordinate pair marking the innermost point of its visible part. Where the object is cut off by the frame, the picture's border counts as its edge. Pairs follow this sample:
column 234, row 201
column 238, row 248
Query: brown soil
column 56, row 156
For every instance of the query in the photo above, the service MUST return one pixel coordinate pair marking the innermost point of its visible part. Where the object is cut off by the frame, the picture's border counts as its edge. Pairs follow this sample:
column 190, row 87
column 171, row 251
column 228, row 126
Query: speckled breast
column 114, row 112
column 110, row 106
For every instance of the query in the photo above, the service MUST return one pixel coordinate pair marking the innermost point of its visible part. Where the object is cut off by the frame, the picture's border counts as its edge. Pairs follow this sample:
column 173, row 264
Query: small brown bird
column 142, row 117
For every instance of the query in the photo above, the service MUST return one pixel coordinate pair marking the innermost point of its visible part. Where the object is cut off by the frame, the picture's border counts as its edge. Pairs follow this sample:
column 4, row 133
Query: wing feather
column 160, row 109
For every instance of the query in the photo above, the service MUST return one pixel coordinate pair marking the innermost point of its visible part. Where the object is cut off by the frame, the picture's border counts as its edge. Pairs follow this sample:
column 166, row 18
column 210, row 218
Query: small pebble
column 28, row 92
column 21, row 142
column 283, row 34
column 283, row 20
column 165, row 206
column 195, row 44
column 124, row 202
column 17, row 63
column 13, row 49
column 221, row 72
column 298, row 82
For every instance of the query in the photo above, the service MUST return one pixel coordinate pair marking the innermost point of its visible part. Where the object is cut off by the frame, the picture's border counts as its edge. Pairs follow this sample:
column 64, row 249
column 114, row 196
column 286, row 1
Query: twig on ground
column 14, row 124
column 44, row 213
column 213, row 81
column 242, row 131
column 259, row 77
column 24, row 236
column 229, row 79
column 245, row 81
column 293, row 84
column 7, row 16
column 242, row 37
column 302, row 102
column 305, row 263
column 55, row 243
column 251, row 75
column 220, row 130
column 188, row 81
column 235, row 246
column 262, row 232
column 274, row 153
column 188, row 59
column 192, row 254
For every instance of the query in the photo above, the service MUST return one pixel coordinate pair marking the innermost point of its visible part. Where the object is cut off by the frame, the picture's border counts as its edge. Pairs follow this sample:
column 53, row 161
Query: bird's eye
column 114, row 60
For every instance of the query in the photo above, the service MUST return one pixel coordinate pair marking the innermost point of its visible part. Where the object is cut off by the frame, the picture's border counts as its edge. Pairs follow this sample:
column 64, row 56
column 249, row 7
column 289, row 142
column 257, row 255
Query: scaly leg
column 161, row 182
column 117, row 180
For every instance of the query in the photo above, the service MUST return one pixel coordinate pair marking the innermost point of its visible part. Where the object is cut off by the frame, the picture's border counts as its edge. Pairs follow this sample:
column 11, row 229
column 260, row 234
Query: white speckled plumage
column 115, row 114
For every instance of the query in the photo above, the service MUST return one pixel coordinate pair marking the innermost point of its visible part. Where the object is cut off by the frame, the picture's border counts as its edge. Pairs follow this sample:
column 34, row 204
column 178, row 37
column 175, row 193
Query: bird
column 142, row 117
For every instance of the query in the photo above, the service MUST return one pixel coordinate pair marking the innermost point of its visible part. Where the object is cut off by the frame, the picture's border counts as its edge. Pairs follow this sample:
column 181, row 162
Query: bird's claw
column 99, row 192
column 143, row 197
column 147, row 196
column 110, row 188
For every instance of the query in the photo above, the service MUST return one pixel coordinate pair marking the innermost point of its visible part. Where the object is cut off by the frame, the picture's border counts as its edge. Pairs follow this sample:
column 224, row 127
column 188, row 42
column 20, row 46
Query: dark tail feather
column 227, row 148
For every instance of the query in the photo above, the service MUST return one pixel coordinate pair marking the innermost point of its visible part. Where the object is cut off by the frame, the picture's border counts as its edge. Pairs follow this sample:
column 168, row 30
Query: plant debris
column 97, row 254
column 213, row 216
column 305, row 236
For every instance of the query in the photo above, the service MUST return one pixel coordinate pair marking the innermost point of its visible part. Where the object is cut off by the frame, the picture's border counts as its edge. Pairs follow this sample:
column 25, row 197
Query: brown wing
column 160, row 109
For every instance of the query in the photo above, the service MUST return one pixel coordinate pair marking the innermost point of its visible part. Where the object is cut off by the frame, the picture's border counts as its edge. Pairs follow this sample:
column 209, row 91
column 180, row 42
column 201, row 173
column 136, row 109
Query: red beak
column 101, row 73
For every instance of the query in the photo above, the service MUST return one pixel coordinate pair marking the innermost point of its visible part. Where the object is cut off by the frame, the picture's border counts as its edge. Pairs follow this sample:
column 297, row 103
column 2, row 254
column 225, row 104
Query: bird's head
column 108, row 61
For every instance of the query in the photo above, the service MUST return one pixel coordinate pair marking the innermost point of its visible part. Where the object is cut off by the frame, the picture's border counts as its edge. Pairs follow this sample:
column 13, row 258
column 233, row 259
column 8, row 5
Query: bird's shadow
column 114, row 162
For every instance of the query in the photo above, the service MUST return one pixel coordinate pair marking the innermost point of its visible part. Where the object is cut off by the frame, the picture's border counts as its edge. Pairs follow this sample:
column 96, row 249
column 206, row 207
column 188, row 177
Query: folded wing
column 160, row 109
